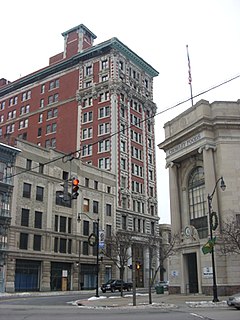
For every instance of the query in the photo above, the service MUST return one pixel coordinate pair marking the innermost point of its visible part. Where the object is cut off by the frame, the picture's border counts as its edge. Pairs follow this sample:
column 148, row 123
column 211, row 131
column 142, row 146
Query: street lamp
column 93, row 240
column 210, row 216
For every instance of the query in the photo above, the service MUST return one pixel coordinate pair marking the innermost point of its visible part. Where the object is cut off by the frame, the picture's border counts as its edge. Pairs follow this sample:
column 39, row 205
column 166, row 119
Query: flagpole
column 189, row 75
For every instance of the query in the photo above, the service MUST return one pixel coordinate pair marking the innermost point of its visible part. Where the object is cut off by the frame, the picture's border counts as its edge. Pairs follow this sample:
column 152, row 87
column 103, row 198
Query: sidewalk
column 165, row 301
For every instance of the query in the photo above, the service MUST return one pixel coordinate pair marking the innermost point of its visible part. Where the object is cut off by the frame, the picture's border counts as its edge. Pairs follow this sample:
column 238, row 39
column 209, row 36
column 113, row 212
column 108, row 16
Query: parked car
column 113, row 285
column 163, row 284
column 234, row 301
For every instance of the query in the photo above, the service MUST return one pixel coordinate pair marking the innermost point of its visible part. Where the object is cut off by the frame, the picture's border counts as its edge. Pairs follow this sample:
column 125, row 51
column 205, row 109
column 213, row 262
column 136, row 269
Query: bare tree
column 117, row 250
column 166, row 249
column 230, row 236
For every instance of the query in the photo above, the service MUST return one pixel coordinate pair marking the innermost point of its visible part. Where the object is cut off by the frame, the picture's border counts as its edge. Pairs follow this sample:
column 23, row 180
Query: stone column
column 46, row 276
column 174, row 197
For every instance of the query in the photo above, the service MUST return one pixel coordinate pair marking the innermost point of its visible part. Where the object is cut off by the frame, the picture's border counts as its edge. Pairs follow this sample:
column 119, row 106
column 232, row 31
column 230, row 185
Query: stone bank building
column 202, row 145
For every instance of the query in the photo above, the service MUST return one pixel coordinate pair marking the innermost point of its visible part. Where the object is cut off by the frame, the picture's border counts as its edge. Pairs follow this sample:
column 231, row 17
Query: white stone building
column 202, row 145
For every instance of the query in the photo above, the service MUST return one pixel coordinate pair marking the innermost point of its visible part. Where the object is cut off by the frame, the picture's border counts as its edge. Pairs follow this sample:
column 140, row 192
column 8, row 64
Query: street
column 61, row 307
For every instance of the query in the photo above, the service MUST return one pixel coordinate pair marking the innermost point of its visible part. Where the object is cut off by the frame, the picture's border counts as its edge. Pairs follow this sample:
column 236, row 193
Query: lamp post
column 97, row 271
column 94, row 241
column 210, row 217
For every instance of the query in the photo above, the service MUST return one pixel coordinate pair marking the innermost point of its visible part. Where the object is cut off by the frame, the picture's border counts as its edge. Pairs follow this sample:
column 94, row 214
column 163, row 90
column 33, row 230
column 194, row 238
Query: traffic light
column 75, row 187
column 64, row 195
column 138, row 266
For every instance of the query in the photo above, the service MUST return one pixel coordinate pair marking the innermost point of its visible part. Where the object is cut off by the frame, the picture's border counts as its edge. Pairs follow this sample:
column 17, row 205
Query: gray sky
column 157, row 30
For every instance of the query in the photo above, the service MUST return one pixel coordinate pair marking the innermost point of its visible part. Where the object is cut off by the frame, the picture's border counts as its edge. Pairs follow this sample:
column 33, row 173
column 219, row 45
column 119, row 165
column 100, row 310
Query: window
column 103, row 112
column 37, row 239
column 108, row 209
column 56, row 223
column 69, row 246
column 54, row 84
column 103, row 128
column 40, row 118
column 26, row 95
column 55, row 244
column 85, row 205
column 25, row 218
column 152, row 228
column 60, row 201
column 104, row 64
column 104, row 146
column 39, row 132
column 108, row 230
column 87, row 150
column 87, row 117
column 124, row 222
column 23, row 241
column 85, row 248
column 41, row 168
column 41, row 103
column 69, row 225
column 104, row 163
column 26, row 190
column 87, row 182
column 197, row 202
column 63, row 224
column 38, row 220
column 42, row 88
column 87, row 133
column 86, row 228
column 63, row 245
column 88, row 70
column 23, row 124
column 29, row 164
column 95, row 206
column 39, row 193
column 104, row 78
column 95, row 185
column 104, row 96
column 123, row 164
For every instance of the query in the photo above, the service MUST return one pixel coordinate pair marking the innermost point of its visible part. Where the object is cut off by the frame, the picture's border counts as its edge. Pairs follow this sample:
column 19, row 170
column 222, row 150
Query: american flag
column 189, row 68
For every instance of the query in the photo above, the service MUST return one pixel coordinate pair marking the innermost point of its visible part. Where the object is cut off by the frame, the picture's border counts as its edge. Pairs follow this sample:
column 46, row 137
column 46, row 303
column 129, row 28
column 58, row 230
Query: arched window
column 197, row 201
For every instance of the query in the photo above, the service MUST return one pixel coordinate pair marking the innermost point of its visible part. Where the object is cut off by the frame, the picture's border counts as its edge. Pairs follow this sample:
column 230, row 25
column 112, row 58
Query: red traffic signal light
column 75, row 187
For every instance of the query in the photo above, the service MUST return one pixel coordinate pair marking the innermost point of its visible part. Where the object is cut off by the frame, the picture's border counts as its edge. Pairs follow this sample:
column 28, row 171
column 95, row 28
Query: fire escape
column 7, row 160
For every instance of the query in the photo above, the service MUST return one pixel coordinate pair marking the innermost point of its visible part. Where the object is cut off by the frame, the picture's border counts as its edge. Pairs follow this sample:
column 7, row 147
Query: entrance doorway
column 192, row 286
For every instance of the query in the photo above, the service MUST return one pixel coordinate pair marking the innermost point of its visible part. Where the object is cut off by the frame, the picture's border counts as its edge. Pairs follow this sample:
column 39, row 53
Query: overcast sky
column 156, row 30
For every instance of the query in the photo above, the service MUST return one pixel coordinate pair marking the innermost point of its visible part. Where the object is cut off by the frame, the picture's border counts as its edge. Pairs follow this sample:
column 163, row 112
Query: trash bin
column 159, row 290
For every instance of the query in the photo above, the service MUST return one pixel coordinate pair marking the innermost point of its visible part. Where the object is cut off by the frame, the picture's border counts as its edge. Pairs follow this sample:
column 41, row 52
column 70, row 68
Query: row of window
column 27, row 95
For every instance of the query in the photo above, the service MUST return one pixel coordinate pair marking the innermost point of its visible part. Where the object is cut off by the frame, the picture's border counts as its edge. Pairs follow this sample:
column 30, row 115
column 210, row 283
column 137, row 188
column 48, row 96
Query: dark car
column 113, row 285
column 234, row 301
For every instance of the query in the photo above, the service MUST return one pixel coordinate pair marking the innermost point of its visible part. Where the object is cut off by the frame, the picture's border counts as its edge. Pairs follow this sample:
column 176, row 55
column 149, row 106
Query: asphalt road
column 59, row 307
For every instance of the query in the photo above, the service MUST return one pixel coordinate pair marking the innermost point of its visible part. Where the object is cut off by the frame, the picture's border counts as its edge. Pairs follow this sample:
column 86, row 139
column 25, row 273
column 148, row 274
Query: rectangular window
column 37, row 239
column 85, row 205
column 41, row 168
column 86, row 228
column 56, row 223
column 23, row 243
column 25, row 218
column 38, row 220
column 63, row 245
column 95, row 206
column 39, row 193
column 124, row 222
column 55, row 244
column 108, row 209
column 69, row 246
column 63, row 224
column 26, row 190
column 69, row 225
column 85, row 248
column 108, row 230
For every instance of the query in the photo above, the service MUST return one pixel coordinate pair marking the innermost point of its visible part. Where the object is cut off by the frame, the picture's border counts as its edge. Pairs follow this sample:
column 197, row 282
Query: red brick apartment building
column 98, row 100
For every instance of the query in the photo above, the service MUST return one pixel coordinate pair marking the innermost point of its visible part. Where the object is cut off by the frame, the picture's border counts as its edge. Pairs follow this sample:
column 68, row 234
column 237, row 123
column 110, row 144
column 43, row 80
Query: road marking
column 197, row 315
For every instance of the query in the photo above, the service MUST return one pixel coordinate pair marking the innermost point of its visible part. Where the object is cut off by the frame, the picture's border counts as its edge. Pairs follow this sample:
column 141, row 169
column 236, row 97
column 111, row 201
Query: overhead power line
column 71, row 154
